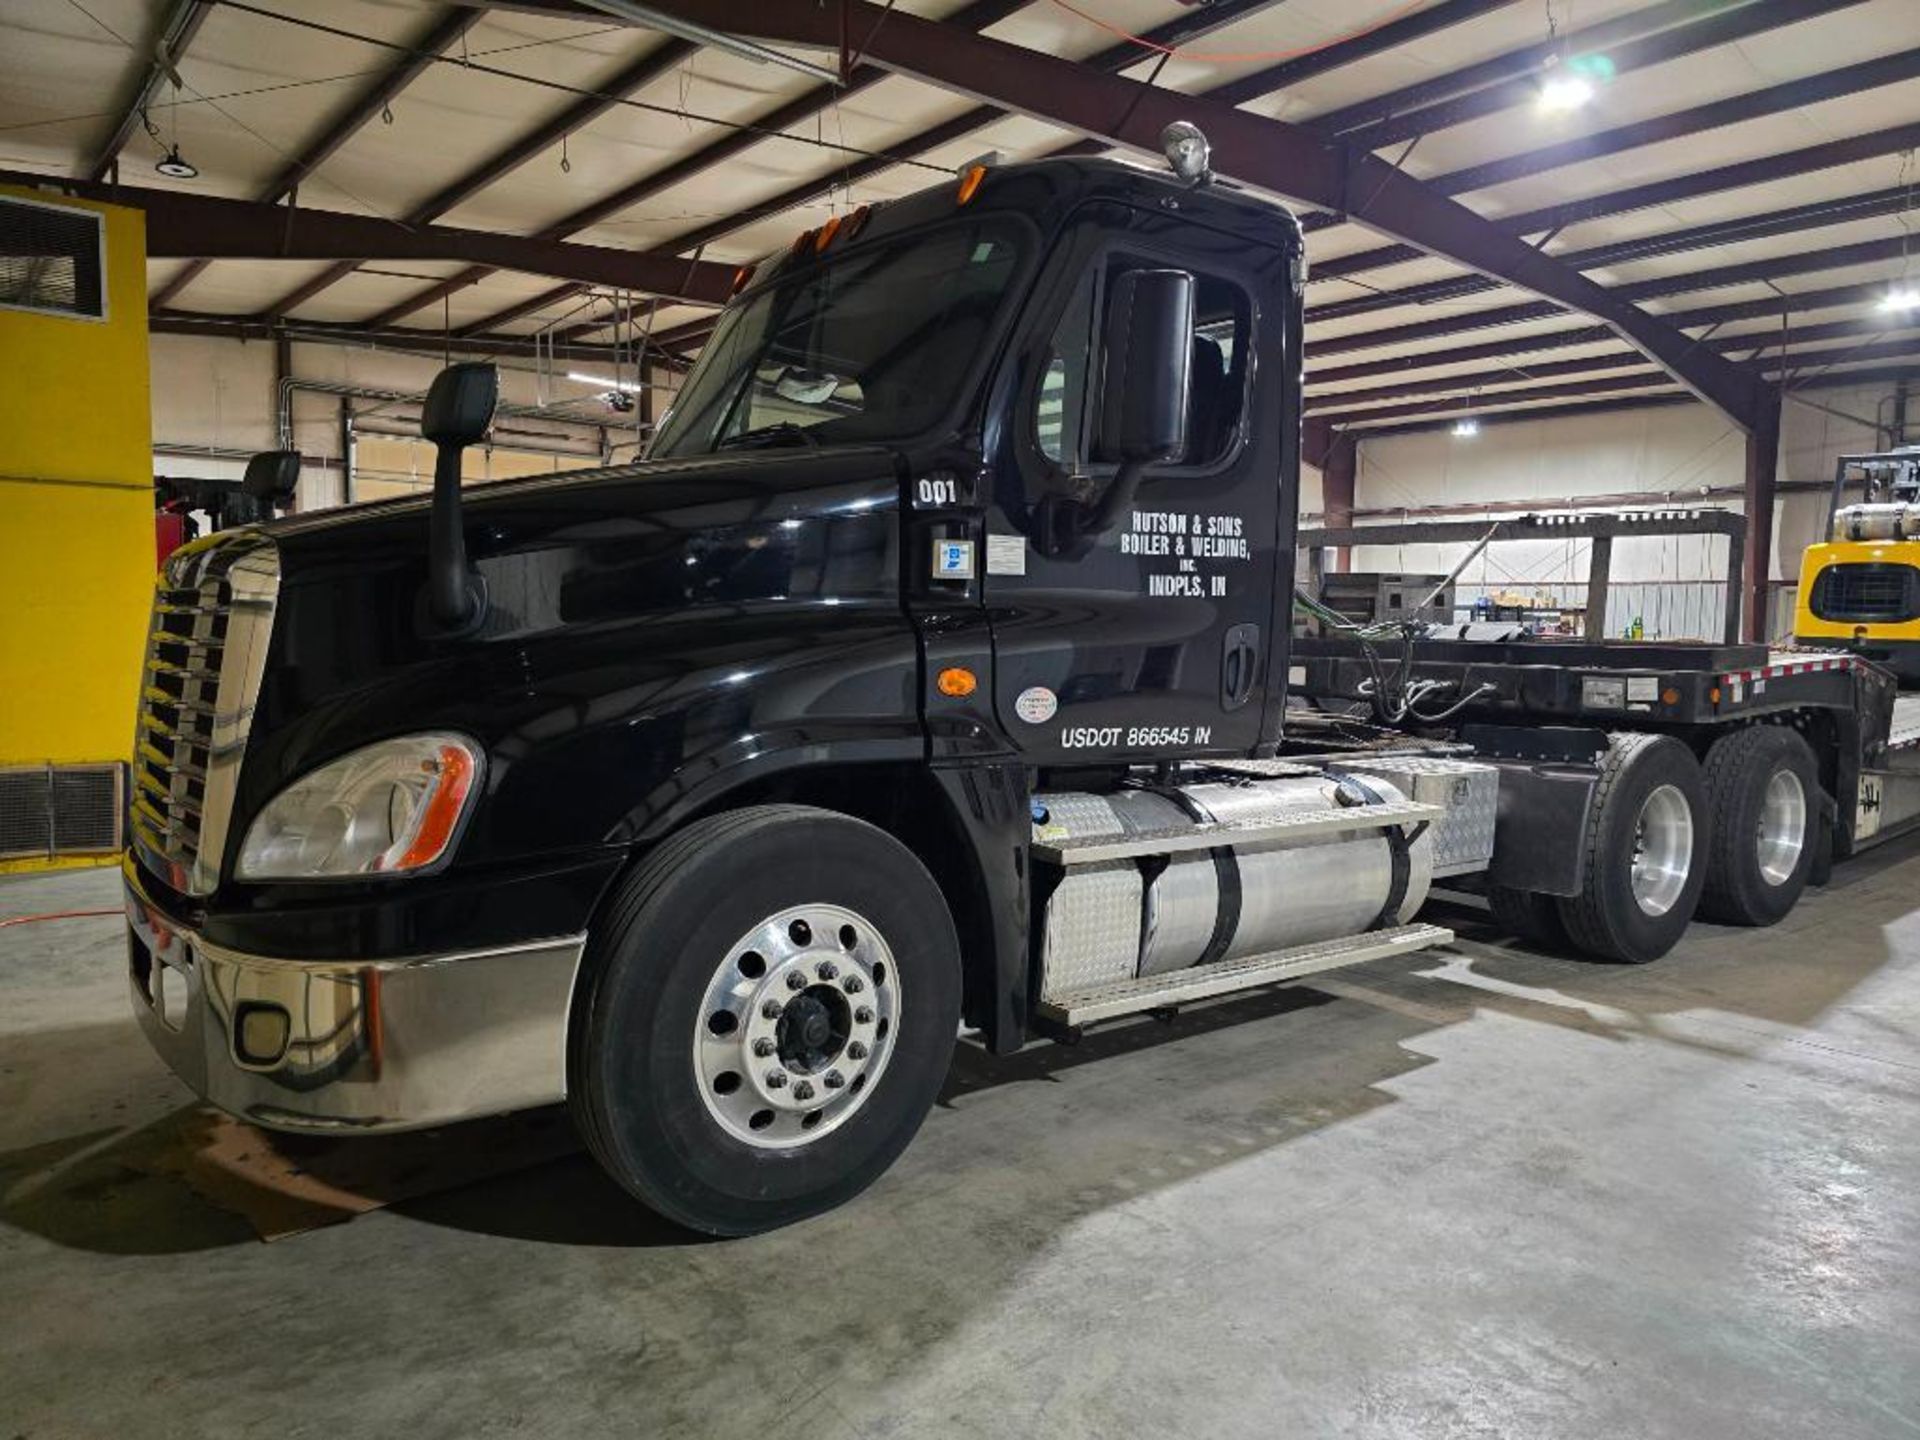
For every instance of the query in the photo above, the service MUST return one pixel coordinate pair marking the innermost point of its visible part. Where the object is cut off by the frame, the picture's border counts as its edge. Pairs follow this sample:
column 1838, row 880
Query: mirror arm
column 1118, row 496
column 456, row 599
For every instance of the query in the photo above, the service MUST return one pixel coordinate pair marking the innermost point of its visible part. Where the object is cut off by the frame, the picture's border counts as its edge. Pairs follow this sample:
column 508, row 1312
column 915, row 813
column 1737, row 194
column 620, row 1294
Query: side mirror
column 460, row 405
column 458, row 411
column 273, row 476
column 1148, row 346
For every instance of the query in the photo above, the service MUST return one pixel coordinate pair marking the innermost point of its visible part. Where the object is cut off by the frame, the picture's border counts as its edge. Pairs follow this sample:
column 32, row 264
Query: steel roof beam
column 1907, row 347
column 405, row 69
column 1840, row 380
column 1635, row 41
column 1807, row 262
column 1280, row 158
column 426, row 342
column 1765, row 170
column 175, row 32
column 582, row 112
column 980, row 14
column 1521, row 372
column 181, row 225
column 1818, row 214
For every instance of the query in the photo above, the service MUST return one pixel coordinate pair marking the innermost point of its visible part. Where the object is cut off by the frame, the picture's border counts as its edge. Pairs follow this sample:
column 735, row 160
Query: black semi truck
column 932, row 672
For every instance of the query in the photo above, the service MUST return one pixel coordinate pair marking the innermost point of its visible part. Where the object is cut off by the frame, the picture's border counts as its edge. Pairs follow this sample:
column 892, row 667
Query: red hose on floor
column 54, row 915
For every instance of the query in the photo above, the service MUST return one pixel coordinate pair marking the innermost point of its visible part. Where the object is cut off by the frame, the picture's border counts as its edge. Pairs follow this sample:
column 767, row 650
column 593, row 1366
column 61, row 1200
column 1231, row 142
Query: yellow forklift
column 1860, row 588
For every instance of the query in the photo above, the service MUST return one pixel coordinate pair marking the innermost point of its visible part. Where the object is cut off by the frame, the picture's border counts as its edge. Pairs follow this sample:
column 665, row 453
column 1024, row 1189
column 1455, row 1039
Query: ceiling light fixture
column 176, row 166
column 705, row 35
column 630, row 386
column 1563, row 93
column 1901, row 297
column 1466, row 429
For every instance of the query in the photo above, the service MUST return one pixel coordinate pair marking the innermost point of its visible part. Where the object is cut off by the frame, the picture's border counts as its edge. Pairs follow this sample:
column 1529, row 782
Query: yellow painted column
column 76, row 527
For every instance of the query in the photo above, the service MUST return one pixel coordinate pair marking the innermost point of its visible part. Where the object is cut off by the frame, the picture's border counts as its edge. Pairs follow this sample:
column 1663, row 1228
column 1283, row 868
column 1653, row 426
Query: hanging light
column 630, row 386
column 1902, row 297
column 1565, row 92
column 176, row 166
column 1466, row 428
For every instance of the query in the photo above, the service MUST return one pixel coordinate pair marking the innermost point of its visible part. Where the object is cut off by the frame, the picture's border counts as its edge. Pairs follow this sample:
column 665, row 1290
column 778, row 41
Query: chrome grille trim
column 206, row 654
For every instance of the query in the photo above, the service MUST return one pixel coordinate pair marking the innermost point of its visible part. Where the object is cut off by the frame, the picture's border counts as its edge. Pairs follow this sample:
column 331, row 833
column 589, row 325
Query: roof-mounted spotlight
column 1187, row 151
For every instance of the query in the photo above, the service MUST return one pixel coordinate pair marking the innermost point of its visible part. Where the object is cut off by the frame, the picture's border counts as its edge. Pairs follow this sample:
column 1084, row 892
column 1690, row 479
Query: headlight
column 384, row 810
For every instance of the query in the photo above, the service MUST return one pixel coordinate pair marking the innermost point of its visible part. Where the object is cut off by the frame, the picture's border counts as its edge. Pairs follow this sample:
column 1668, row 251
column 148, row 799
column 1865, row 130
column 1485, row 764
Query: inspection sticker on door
column 953, row 559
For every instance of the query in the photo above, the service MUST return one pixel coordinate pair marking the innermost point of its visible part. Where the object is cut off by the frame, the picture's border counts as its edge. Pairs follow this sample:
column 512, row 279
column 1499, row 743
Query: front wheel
column 1646, row 851
column 765, row 1015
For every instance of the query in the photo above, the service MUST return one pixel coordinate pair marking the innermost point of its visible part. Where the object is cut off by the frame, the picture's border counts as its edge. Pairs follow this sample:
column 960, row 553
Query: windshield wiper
column 783, row 433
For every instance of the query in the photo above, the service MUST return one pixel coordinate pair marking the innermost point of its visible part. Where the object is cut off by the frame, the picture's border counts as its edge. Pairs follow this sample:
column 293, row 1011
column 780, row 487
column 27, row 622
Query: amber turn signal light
column 970, row 182
column 955, row 682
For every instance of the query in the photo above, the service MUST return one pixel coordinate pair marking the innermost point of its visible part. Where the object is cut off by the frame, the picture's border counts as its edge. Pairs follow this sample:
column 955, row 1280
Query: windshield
column 873, row 345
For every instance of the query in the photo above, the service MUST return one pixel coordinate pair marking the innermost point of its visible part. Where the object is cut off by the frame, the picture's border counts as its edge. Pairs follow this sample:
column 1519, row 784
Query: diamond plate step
column 1091, row 849
column 1151, row 992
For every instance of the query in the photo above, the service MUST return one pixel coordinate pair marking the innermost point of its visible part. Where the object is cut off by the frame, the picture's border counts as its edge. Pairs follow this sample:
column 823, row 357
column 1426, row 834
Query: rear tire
column 1763, row 792
column 1646, row 852
column 1528, row 915
column 777, row 940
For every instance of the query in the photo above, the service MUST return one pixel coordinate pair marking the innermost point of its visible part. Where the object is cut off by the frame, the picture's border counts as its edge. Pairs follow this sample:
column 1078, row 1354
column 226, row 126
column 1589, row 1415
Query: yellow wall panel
column 76, row 533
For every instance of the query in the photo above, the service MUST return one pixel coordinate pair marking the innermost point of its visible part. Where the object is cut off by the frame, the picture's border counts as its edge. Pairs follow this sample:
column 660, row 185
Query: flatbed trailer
column 1540, row 706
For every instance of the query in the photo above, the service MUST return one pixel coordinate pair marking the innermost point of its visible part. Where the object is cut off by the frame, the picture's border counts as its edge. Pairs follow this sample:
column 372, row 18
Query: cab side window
column 1217, row 377
column 1060, row 421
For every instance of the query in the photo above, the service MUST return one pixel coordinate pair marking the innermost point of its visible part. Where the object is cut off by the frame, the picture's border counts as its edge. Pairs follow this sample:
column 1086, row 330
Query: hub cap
column 1662, row 850
column 1783, row 827
column 796, row 1026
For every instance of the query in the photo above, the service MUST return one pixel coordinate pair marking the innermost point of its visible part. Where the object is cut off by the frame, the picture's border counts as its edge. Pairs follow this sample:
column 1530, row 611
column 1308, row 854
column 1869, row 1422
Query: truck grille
column 212, row 617
column 1864, row 593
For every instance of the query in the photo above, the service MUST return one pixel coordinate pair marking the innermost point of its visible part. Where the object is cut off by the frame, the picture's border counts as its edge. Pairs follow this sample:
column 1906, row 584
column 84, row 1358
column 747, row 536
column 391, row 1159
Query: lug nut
column 796, row 981
column 854, row 985
column 864, row 1015
column 833, row 1079
column 803, row 1091
column 771, row 1009
column 826, row 970
column 776, row 1079
column 856, row 1051
column 763, row 1047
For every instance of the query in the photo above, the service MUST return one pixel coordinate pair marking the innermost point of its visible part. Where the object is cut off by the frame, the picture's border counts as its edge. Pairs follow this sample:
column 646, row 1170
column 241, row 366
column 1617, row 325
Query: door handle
column 1239, row 665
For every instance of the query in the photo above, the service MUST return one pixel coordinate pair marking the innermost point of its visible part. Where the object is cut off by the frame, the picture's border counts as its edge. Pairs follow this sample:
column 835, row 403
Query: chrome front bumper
column 353, row 1045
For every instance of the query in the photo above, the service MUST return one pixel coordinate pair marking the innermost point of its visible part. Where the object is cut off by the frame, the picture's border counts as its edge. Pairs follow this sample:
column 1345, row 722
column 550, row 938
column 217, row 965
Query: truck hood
column 605, row 545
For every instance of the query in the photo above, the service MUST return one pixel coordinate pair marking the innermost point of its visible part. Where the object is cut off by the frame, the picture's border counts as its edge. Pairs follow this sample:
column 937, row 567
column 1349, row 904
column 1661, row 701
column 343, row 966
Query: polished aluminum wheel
column 1662, row 850
column 1783, row 827
column 796, row 1026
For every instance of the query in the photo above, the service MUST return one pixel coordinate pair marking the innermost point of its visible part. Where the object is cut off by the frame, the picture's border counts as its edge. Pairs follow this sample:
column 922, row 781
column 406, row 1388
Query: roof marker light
column 823, row 237
column 970, row 182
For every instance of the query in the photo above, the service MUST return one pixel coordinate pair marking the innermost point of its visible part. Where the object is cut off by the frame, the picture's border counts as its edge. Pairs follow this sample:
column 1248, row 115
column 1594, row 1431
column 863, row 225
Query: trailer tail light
column 970, row 182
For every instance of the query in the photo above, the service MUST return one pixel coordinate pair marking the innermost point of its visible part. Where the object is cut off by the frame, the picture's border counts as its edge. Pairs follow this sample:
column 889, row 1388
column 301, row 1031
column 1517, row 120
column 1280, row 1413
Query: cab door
column 1151, row 640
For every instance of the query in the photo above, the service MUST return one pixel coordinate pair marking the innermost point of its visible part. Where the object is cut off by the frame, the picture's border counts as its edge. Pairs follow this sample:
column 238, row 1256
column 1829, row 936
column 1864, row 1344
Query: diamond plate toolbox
column 1463, row 837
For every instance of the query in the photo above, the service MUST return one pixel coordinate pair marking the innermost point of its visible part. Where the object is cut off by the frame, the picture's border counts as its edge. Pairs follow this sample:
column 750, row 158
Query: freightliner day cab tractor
column 930, row 673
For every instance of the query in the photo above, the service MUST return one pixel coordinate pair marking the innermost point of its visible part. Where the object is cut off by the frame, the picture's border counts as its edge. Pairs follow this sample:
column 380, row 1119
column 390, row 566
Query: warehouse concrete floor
column 1474, row 1193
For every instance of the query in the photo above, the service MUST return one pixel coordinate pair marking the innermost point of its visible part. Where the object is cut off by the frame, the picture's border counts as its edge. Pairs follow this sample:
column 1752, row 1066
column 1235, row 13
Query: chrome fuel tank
column 1149, row 916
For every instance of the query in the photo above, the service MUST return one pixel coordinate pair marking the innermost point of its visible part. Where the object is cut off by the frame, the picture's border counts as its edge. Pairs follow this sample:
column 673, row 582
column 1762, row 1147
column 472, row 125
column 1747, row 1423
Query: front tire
column 1646, row 852
column 1763, row 790
column 766, row 1011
